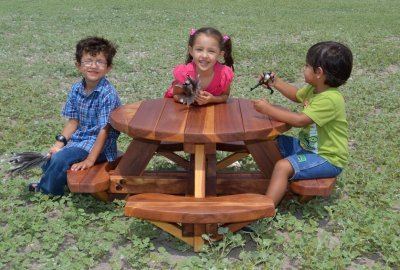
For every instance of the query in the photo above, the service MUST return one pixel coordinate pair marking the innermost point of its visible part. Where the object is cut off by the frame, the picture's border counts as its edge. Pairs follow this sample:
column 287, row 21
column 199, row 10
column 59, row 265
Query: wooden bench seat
column 90, row 180
column 313, row 187
column 309, row 188
column 94, row 180
column 209, row 210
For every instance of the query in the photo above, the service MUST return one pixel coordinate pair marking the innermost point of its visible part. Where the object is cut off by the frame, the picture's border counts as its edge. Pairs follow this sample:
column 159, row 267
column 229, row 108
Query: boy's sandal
column 34, row 187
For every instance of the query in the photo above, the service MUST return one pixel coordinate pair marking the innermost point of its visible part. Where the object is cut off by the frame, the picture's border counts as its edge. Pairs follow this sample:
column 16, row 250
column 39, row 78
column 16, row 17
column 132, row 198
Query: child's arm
column 285, row 88
column 70, row 127
column 282, row 114
column 96, row 150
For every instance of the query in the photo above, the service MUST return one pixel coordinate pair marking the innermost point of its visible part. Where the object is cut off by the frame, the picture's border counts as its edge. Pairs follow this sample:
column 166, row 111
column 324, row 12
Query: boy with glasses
column 87, row 137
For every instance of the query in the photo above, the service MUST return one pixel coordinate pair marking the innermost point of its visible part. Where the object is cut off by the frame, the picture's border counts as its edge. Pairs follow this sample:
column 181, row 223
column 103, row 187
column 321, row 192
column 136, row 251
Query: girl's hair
column 335, row 59
column 94, row 46
column 225, row 44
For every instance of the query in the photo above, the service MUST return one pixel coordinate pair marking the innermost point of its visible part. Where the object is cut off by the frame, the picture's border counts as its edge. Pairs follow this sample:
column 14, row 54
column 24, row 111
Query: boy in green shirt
column 321, row 149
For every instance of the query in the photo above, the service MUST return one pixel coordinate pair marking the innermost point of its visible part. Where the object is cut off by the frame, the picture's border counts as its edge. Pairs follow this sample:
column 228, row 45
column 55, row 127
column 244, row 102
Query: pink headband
column 193, row 31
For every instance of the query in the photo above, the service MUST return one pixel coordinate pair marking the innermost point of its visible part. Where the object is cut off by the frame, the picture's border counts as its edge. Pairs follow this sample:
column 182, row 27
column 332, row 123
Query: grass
column 356, row 228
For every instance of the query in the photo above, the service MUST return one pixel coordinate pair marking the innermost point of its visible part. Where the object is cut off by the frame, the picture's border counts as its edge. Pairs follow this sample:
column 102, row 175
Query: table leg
column 200, row 171
column 211, row 186
column 265, row 154
column 137, row 156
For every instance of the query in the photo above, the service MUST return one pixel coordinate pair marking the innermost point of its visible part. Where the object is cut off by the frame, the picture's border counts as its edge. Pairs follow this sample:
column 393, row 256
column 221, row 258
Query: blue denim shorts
column 306, row 164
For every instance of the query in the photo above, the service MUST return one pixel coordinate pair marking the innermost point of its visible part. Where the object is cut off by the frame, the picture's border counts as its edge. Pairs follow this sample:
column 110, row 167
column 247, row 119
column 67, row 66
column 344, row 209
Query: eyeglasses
column 98, row 63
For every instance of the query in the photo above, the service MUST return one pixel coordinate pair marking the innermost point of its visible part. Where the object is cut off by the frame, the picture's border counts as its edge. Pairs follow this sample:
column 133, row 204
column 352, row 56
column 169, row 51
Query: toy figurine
column 191, row 88
column 264, row 80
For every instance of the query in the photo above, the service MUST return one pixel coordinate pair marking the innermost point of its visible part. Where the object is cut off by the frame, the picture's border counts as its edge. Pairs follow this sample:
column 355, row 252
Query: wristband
column 61, row 138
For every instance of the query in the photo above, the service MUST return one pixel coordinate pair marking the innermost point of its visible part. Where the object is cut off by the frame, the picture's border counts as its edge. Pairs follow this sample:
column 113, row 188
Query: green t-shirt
column 327, row 137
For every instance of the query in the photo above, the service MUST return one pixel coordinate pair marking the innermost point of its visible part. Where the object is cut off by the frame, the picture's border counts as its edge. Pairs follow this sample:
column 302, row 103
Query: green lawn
column 356, row 228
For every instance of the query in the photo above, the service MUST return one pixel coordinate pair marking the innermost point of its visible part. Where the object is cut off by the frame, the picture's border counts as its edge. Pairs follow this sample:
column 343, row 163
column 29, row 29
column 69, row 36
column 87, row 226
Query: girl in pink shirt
column 206, row 47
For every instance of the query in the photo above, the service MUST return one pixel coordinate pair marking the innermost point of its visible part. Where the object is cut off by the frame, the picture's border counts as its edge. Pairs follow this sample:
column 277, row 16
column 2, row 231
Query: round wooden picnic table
column 198, row 128
column 201, row 130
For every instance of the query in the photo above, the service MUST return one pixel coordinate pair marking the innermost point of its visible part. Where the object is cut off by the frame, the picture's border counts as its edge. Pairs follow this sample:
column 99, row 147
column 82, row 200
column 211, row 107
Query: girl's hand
column 260, row 105
column 203, row 97
column 82, row 165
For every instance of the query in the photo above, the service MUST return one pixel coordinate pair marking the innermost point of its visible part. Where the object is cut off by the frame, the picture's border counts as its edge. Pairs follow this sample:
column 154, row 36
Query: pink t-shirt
column 223, row 76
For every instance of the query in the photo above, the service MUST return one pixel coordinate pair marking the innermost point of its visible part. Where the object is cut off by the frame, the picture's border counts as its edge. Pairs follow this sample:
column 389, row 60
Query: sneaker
column 247, row 229
column 34, row 187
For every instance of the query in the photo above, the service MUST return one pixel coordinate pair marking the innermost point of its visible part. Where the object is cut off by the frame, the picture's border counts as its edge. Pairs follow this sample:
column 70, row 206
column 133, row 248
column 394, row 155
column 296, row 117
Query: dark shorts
column 306, row 164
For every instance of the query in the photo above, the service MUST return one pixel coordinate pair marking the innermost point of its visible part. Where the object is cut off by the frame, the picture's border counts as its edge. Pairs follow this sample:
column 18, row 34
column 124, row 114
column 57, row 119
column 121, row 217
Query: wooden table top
column 165, row 120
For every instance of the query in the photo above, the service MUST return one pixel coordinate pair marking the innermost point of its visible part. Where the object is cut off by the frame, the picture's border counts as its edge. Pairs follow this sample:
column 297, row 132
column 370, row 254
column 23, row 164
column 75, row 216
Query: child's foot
column 34, row 187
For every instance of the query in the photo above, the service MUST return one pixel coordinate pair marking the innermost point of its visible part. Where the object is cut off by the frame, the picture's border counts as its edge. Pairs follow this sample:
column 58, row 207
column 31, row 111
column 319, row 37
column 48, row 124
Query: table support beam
column 200, row 172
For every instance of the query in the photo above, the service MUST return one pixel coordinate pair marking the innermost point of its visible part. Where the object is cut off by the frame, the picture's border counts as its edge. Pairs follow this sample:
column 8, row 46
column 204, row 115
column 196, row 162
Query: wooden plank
column 74, row 178
column 144, row 123
column 174, row 230
column 198, row 241
column 172, row 122
column 200, row 124
column 170, row 147
column 120, row 117
column 94, row 179
column 222, row 164
column 313, row 187
column 251, row 183
column 180, row 161
column 236, row 146
column 211, row 175
column 256, row 125
column 160, row 183
column 199, row 172
column 228, row 183
column 180, row 209
column 228, row 123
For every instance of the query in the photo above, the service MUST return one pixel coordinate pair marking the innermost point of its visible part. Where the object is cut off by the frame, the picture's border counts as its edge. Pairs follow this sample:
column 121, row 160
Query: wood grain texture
column 137, row 156
column 229, row 122
column 265, row 154
column 313, row 187
column 256, row 125
column 165, row 120
column 145, row 121
column 199, row 172
column 120, row 117
column 224, row 209
column 200, row 124
column 172, row 122
column 92, row 180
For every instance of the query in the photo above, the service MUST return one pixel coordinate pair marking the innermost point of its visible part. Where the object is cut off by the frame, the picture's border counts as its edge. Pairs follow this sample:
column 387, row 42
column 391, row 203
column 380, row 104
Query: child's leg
column 55, row 170
column 283, row 170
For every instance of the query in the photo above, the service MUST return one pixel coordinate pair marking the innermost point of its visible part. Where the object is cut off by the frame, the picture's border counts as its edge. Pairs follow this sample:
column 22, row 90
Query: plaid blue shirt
column 93, row 114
